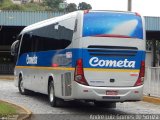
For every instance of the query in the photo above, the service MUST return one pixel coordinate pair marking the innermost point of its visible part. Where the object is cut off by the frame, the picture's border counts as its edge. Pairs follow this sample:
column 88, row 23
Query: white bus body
column 93, row 55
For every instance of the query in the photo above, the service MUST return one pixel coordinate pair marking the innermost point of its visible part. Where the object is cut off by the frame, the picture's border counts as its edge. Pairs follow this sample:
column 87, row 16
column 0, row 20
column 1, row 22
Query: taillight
column 142, row 70
column 79, row 73
column 137, row 14
column 140, row 80
column 55, row 65
column 86, row 11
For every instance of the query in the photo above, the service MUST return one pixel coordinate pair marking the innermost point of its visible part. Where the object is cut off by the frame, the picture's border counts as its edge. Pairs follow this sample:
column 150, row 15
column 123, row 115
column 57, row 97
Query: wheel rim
column 22, row 87
column 51, row 94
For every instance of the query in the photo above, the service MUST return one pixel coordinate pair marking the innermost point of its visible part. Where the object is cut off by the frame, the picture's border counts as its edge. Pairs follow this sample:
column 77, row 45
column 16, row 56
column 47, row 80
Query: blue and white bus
column 96, row 56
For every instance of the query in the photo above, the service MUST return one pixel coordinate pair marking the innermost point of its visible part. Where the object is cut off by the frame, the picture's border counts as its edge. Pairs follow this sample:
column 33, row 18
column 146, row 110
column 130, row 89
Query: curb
column 28, row 112
column 5, row 77
column 150, row 99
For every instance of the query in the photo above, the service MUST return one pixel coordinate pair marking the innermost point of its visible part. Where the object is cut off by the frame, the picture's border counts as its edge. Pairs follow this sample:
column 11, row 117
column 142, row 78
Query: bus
column 94, row 56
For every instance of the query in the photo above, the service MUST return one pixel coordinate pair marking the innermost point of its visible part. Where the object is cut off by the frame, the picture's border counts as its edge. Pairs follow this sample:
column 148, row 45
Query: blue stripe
column 59, row 57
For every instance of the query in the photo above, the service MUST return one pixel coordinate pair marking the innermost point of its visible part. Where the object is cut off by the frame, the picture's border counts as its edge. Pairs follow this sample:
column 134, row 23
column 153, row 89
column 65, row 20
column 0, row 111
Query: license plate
column 111, row 92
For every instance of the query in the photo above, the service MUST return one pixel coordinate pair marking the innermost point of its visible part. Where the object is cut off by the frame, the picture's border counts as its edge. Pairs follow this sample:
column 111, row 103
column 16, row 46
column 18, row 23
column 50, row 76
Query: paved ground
column 38, row 104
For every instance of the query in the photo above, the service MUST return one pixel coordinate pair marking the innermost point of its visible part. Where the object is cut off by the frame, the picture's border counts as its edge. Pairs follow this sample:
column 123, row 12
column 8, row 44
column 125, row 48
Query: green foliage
column 34, row 7
column 6, row 109
column 13, row 7
column 71, row 7
column 47, row 5
column 53, row 4
column 5, row 3
column 84, row 6
column 1, row 1
column 8, row 5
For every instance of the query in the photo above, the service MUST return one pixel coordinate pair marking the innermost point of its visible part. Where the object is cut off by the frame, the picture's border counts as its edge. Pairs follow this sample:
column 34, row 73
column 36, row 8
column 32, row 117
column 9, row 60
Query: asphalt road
column 38, row 104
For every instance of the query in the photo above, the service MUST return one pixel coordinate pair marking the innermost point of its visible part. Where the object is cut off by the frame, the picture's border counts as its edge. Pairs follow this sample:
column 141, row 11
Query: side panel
column 46, row 51
column 37, row 66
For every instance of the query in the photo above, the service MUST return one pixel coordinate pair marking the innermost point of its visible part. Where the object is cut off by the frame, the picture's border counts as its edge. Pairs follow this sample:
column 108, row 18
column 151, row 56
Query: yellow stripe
column 151, row 99
column 110, row 70
column 44, row 68
column 71, row 69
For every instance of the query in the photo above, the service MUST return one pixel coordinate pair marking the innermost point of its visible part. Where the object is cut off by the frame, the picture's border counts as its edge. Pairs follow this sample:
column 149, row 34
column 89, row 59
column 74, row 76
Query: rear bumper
column 99, row 93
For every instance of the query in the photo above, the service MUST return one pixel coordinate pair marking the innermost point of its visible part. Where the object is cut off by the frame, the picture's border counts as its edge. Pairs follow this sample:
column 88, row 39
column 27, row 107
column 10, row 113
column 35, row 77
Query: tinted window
column 26, row 44
column 117, row 24
column 51, row 37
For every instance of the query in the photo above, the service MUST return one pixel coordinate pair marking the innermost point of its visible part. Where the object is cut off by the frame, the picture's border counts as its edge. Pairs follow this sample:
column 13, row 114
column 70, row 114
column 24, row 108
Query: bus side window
column 66, row 29
column 25, row 44
column 54, row 37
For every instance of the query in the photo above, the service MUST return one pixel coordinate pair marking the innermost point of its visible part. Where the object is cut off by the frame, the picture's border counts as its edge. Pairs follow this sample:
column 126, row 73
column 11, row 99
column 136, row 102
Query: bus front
column 111, row 60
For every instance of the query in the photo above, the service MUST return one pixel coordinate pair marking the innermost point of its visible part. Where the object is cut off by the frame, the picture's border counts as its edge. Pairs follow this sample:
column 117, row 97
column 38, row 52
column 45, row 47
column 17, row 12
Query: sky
column 144, row 7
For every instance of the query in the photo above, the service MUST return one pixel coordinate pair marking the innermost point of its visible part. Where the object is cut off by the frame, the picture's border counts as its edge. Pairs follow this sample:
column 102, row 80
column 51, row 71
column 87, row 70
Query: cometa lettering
column 95, row 62
column 31, row 60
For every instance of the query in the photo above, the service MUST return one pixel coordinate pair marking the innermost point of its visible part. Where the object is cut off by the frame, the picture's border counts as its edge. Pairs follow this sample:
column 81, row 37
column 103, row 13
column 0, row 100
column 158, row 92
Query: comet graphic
column 125, row 28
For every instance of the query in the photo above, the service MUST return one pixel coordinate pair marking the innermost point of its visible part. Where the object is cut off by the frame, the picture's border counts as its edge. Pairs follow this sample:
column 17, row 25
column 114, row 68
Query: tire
column 51, row 95
column 105, row 104
column 21, row 88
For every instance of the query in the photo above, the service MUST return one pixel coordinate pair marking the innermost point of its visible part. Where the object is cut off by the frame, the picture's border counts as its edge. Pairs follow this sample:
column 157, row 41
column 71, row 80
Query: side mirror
column 14, row 48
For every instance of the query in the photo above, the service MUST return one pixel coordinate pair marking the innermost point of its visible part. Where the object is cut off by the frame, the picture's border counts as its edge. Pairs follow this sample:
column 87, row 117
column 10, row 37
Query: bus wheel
column 21, row 88
column 51, row 95
column 105, row 104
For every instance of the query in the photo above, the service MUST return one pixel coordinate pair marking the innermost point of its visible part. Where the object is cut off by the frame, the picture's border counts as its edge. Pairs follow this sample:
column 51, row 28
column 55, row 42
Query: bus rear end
column 110, row 63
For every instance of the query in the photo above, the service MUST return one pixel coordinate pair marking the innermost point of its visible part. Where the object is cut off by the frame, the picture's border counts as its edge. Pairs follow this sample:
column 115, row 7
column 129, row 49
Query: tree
column 1, row 1
column 84, row 6
column 71, row 7
column 54, row 4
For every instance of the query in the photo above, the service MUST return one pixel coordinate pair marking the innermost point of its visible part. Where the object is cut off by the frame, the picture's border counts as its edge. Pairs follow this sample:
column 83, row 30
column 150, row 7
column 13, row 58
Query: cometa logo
column 95, row 61
column 31, row 60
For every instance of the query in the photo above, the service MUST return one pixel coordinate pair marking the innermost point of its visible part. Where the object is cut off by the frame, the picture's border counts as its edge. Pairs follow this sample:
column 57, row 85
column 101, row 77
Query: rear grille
column 112, row 51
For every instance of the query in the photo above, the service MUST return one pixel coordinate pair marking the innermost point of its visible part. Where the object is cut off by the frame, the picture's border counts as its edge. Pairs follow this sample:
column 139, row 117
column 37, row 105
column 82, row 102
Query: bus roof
column 60, row 18
column 112, row 11
column 47, row 22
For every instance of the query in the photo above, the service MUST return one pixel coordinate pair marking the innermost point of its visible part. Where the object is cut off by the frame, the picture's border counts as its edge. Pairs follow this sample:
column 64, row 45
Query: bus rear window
column 112, row 24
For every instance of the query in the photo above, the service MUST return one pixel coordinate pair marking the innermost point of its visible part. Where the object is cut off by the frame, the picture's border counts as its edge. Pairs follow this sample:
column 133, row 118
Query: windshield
column 107, row 24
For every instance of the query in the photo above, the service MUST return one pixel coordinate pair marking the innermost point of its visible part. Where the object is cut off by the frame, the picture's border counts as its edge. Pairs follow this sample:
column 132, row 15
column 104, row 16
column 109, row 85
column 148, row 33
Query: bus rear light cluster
column 140, row 79
column 137, row 14
column 86, row 11
column 79, row 73
column 55, row 65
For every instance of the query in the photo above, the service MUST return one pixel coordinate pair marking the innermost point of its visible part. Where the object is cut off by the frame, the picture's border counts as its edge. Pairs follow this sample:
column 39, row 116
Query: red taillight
column 79, row 67
column 86, row 11
column 55, row 65
column 137, row 14
column 142, row 70
column 79, row 73
column 141, row 75
column 113, row 35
